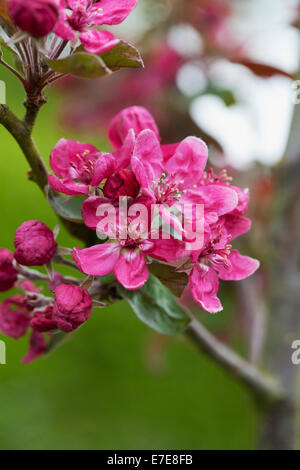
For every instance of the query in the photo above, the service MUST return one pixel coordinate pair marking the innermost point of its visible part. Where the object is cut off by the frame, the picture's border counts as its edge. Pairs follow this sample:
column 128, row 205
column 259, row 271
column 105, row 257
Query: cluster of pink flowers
column 72, row 20
column 146, row 172
column 35, row 246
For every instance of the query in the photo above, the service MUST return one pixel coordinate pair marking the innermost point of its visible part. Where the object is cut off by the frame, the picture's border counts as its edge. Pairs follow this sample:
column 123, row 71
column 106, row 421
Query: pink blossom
column 79, row 16
column 14, row 316
column 34, row 244
column 78, row 165
column 126, row 258
column 37, row 347
column 122, row 183
column 43, row 320
column 72, row 307
column 36, row 17
column 8, row 274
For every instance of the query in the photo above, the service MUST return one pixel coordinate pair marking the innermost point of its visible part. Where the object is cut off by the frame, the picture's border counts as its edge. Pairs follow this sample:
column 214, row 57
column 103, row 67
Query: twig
column 11, row 69
column 263, row 387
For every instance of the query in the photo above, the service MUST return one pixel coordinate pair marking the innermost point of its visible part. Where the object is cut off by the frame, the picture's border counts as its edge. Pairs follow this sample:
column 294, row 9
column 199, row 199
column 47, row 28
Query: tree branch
column 263, row 387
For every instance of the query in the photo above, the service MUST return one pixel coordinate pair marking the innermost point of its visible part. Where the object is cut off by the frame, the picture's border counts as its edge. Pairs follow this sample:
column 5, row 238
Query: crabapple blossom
column 14, row 316
column 34, row 244
column 80, row 19
column 43, row 320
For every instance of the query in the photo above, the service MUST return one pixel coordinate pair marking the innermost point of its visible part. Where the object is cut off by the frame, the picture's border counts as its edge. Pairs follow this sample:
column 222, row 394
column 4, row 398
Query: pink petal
column 37, row 347
column 217, row 199
column 131, row 270
column 65, row 153
column 167, row 250
column 67, row 186
column 147, row 159
column 189, row 161
column 97, row 42
column 237, row 225
column 63, row 29
column 168, row 151
column 89, row 210
column 203, row 282
column 113, row 11
column 241, row 267
column 76, row 4
column 97, row 260
column 124, row 154
column 243, row 200
column 105, row 167
column 136, row 118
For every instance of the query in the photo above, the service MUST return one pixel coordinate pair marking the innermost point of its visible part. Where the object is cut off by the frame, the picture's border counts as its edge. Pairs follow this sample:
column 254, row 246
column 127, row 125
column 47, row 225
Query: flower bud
column 43, row 320
column 14, row 317
column 8, row 274
column 72, row 307
column 123, row 183
column 34, row 243
column 36, row 17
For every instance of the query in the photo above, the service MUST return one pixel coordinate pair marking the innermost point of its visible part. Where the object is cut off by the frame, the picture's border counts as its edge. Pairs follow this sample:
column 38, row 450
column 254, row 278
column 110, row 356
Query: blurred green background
column 102, row 389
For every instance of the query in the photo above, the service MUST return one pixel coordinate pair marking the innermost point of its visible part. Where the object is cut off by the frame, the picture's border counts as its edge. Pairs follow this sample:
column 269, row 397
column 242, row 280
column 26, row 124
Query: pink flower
column 72, row 307
column 34, row 244
column 8, row 274
column 79, row 16
column 36, row 17
column 14, row 316
column 43, row 320
column 217, row 261
column 126, row 258
column 78, row 165
column 37, row 347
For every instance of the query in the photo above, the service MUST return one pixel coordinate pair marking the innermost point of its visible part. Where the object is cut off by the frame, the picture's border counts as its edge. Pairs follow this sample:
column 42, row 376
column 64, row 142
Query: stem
column 265, row 388
column 11, row 69
column 21, row 131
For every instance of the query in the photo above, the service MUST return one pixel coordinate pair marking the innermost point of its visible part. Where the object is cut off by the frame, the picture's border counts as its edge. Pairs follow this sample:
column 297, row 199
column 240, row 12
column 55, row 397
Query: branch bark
column 264, row 388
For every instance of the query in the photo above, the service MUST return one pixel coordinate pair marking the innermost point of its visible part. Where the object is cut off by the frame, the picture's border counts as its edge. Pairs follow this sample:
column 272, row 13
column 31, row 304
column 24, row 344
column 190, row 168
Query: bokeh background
column 117, row 384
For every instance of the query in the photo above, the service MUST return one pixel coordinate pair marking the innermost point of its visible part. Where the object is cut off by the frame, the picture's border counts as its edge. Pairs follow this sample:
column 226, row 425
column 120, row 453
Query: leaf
column 262, row 70
column 122, row 55
column 57, row 340
column 67, row 207
column 80, row 64
column 156, row 306
column 175, row 281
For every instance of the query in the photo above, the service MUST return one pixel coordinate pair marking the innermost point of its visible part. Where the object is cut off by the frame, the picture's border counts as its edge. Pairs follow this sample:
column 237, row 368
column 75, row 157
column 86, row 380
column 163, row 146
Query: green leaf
column 156, row 306
column 57, row 340
column 175, row 281
column 122, row 55
column 67, row 207
column 80, row 64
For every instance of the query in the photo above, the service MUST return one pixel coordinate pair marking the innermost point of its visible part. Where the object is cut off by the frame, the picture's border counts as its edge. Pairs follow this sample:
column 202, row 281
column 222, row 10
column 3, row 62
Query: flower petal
column 147, row 159
column 66, row 186
column 37, row 347
column 236, row 225
column 97, row 260
column 97, row 42
column 203, row 282
column 188, row 161
column 134, row 117
column 89, row 210
column 105, row 167
column 111, row 11
column 241, row 267
column 131, row 270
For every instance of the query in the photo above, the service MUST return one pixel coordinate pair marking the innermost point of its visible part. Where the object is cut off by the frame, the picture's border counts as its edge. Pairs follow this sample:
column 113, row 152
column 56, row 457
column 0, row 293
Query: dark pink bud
column 123, row 183
column 36, row 17
column 8, row 274
column 14, row 317
column 43, row 321
column 72, row 307
column 34, row 243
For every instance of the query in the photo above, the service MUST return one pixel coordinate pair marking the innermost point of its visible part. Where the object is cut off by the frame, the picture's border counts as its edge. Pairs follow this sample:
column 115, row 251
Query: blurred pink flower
column 8, row 274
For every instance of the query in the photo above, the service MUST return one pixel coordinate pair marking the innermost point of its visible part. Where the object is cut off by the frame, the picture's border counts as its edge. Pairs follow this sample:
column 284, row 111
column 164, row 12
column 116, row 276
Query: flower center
column 217, row 256
column 83, row 167
column 167, row 190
